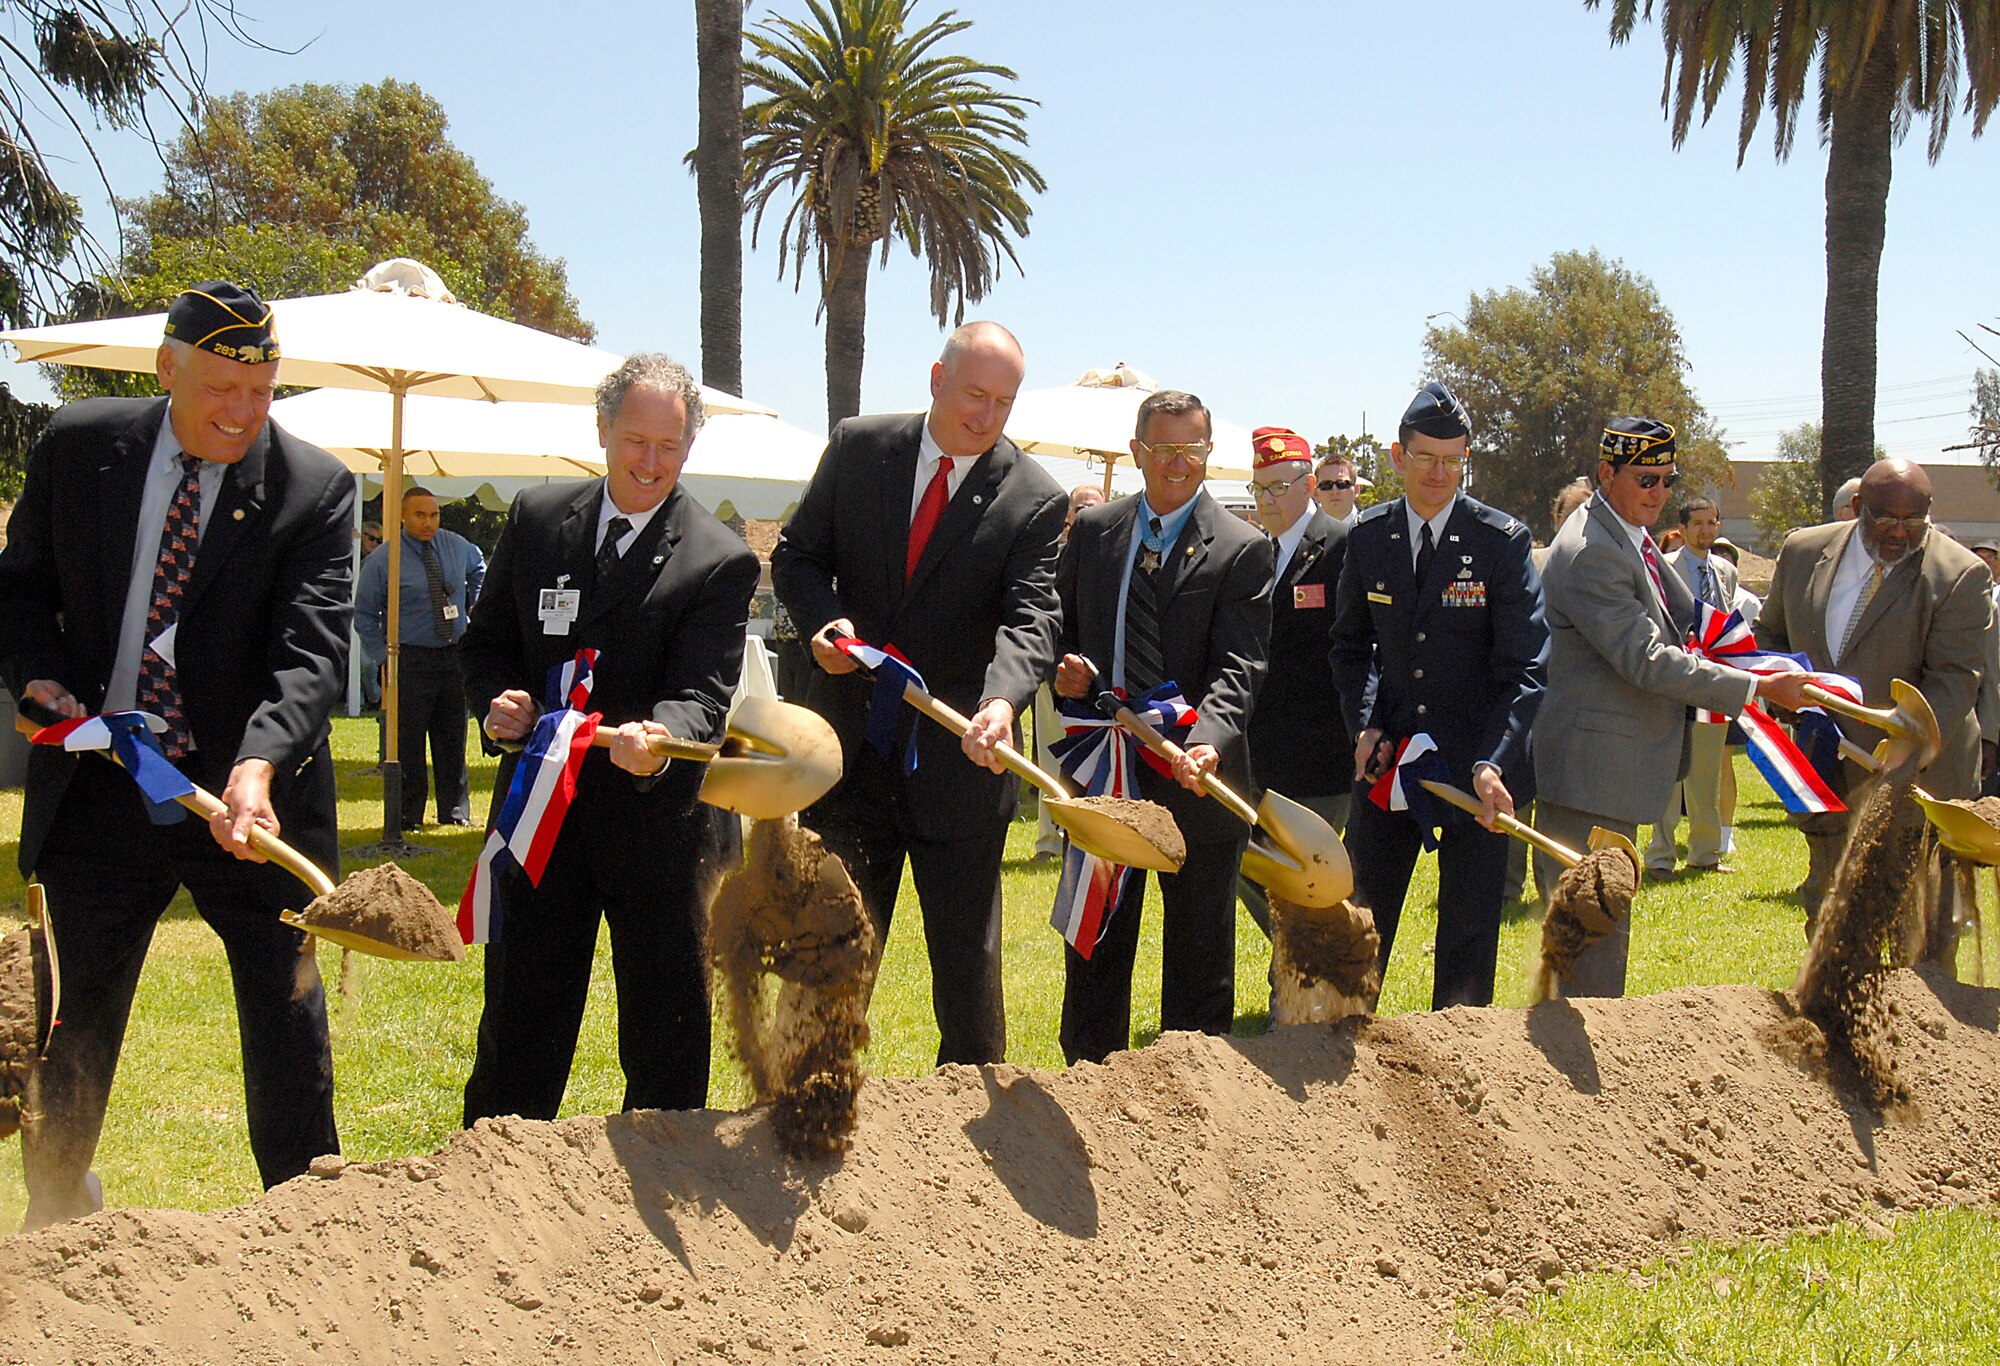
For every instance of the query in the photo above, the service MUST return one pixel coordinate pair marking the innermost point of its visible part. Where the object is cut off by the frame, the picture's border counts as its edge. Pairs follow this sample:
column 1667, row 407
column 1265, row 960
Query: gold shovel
column 1912, row 725
column 1600, row 838
column 1299, row 857
column 776, row 759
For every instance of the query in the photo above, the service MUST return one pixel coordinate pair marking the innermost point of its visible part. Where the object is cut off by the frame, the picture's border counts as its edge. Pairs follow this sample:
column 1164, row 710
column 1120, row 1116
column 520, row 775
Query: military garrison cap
column 227, row 319
column 1637, row 441
column 1436, row 412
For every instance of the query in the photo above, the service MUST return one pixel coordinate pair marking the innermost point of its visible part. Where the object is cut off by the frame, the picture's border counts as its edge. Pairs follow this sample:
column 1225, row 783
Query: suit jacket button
column 1416, row 673
column 1423, row 710
column 1421, row 637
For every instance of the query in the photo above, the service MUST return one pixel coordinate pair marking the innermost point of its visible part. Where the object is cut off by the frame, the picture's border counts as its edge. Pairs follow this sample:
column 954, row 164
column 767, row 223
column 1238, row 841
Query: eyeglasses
column 1912, row 526
column 1196, row 451
column 1328, row 485
column 1653, row 481
column 1257, row 490
column 1426, row 462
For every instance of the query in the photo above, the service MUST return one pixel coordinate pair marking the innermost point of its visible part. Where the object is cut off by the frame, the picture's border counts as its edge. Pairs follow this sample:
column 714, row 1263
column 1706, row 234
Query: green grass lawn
column 403, row 1042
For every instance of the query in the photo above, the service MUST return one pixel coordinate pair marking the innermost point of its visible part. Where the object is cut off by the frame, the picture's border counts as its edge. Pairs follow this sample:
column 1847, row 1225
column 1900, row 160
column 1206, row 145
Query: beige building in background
column 1965, row 500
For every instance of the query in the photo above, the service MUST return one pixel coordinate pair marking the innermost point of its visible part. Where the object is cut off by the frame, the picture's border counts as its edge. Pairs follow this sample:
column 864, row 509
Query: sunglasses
column 1328, row 485
column 1653, row 481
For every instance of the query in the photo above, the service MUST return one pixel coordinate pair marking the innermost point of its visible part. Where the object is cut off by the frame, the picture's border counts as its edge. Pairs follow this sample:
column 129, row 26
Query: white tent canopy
column 1092, row 420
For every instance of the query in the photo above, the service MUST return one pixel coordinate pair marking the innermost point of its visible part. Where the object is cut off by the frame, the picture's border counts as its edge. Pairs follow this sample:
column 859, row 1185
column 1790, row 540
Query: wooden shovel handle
column 666, row 746
column 1167, row 749
column 1016, row 762
column 1465, row 801
column 206, row 805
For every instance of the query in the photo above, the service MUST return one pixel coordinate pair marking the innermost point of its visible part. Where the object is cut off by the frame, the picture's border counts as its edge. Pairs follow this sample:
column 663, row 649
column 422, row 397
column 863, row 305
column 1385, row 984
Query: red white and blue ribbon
column 129, row 735
column 1097, row 753
column 885, row 708
column 1401, row 788
column 524, row 833
column 1795, row 775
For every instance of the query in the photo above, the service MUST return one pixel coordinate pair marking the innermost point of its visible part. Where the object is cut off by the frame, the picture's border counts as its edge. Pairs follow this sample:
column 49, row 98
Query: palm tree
column 717, row 163
column 1881, row 63
column 877, row 139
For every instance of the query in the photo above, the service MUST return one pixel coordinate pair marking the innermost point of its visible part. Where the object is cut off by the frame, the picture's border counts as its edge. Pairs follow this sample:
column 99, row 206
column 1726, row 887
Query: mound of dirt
column 20, row 1027
column 1324, row 1193
column 387, row 905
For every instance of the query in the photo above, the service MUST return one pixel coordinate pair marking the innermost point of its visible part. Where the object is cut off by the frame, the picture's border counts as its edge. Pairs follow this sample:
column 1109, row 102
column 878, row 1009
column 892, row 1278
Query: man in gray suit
column 1612, row 737
column 1711, row 579
column 1877, row 598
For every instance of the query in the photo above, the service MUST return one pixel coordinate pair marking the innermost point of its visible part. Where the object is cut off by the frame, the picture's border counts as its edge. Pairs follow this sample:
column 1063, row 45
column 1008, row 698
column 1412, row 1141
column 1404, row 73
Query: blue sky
column 1262, row 210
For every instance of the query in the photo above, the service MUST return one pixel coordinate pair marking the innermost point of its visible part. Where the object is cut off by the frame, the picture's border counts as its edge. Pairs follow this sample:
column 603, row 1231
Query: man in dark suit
column 1167, row 586
column 633, row 567
column 187, row 557
column 1297, row 744
column 1439, row 601
column 934, row 534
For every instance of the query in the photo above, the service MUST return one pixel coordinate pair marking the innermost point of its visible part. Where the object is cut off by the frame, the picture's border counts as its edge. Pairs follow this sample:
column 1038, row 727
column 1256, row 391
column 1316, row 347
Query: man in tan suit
column 1879, row 598
column 1711, row 579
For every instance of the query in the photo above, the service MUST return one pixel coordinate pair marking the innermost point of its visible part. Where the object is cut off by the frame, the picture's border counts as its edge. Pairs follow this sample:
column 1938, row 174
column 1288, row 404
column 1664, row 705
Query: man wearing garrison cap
column 1613, row 737
column 1439, row 635
column 1297, row 743
column 187, row 558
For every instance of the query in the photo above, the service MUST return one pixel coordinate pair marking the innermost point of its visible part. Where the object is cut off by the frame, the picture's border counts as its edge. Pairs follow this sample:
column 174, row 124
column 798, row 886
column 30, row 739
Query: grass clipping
column 1879, row 886
column 1323, row 963
column 792, row 913
column 1589, row 902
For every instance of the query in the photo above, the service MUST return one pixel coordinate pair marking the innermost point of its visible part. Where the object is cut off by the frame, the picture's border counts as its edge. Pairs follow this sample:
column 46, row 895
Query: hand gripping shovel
column 1292, row 851
column 777, row 758
column 354, row 893
column 1090, row 827
column 1600, row 838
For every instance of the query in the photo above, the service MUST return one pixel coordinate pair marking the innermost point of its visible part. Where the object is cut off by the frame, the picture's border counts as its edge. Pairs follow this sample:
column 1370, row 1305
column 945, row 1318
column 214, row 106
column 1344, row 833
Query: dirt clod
column 1148, row 820
column 1986, row 808
column 1323, row 962
column 1876, row 892
column 792, row 913
column 1589, row 901
column 387, row 905
column 20, row 1032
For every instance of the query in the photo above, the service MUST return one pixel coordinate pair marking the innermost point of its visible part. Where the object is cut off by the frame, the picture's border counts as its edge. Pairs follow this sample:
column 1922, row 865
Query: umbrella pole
column 1110, row 464
column 392, row 507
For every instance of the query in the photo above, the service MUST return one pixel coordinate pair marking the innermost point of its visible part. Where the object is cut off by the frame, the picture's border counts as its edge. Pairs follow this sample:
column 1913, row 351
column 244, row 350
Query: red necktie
column 928, row 512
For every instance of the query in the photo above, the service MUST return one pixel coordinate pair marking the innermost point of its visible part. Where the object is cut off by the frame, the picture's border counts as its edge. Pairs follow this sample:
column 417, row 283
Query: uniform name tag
column 1309, row 595
column 557, row 608
column 1382, row 598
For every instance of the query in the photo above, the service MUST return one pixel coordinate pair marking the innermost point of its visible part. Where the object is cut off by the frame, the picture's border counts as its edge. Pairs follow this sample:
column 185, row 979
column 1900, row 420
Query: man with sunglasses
column 1613, row 736
column 1439, row 633
column 1297, row 744
column 1878, row 598
column 1156, row 587
column 1335, row 488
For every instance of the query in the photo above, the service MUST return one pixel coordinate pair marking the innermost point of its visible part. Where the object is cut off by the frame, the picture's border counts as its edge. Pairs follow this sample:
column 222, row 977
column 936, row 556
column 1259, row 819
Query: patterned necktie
column 1860, row 606
column 1145, row 666
column 1652, row 558
column 936, row 494
column 1712, row 585
column 159, row 685
column 440, row 595
column 1426, row 552
column 607, row 553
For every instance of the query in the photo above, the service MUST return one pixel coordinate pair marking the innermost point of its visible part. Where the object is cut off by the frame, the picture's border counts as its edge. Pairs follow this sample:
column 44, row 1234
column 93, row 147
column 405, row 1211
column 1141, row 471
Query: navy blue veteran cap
column 1637, row 441
column 1436, row 412
column 229, row 320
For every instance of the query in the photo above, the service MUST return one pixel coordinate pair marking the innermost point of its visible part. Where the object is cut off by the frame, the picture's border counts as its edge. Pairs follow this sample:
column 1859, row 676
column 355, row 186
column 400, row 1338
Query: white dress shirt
column 928, row 455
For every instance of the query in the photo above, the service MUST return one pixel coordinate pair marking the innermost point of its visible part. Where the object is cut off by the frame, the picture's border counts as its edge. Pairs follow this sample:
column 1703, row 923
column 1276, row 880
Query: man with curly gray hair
column 631, row 566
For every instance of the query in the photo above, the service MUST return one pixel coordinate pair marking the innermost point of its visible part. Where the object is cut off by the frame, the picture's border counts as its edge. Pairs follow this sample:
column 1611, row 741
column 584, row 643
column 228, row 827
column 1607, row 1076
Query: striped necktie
column 440, row 595
column 1860, row 607
column 1145, row 666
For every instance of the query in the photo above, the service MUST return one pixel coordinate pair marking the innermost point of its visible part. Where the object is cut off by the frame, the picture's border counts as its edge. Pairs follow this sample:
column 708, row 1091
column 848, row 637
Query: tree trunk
column 846, row 326
column 1857, row 203
column 718, row 182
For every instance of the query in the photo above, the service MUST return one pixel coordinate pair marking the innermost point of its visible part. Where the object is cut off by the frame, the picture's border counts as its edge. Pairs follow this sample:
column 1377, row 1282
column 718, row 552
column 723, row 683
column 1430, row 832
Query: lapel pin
column 1452, row 536
column 978, row 499
column 238, row 514
column 1465, row 559
column 659, row 560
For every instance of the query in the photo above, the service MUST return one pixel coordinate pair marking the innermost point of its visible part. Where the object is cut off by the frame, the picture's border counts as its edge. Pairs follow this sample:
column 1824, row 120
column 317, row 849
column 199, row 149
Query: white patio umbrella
column 398, row 331
column 744, row 461
column 1092, row 420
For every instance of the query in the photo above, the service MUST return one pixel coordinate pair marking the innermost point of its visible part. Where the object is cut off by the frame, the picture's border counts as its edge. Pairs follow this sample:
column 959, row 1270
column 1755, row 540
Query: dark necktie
column 1652, row 559
column 440, row 595
column 159, row 685
column 1426, row 552
column 1714, row 585
column 607, row 554
column 1145, row 666
column 936, row 494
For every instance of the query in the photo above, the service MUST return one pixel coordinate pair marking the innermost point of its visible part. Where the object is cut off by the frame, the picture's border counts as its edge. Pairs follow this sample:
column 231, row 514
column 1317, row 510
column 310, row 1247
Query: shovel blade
column 778, row 758
column 1101, row 833
column 1296, row 855
column 1917, row 729
column 1600, row 838
column 1961, row 831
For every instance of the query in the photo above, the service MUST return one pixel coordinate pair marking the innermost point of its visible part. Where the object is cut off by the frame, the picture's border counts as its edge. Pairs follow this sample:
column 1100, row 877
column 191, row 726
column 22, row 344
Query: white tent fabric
column 1094, row 417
